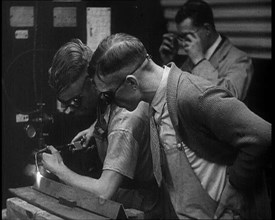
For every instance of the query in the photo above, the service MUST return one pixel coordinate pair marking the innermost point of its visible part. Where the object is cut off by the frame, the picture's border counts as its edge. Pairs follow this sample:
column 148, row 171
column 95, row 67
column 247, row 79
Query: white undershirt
column 212, row 176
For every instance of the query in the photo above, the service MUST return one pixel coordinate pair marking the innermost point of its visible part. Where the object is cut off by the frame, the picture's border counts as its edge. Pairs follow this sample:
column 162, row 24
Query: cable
column 4, row 88
column 34, row 48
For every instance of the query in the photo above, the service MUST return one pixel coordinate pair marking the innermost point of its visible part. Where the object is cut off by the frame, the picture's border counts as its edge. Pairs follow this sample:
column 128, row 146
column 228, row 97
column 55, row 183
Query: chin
column 131, row 108
column 82, row 112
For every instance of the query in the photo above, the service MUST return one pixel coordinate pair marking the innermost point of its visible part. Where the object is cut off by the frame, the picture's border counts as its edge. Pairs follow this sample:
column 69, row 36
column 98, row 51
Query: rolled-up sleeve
column 122, row 153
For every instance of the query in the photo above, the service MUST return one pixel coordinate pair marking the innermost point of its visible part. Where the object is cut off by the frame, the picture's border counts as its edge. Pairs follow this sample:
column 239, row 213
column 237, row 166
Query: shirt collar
column 212, row 49
column 159, row 98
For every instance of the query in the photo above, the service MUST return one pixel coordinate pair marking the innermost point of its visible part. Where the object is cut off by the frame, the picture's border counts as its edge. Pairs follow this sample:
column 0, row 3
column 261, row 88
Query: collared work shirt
column 127, row 150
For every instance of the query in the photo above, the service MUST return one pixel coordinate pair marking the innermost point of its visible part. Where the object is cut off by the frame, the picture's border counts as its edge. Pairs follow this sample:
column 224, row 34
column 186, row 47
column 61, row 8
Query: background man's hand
column 193, row 47
column 168, row 48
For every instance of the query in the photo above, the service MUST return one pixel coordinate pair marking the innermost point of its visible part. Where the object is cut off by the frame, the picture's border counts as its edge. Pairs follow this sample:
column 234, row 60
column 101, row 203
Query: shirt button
column 180, row 146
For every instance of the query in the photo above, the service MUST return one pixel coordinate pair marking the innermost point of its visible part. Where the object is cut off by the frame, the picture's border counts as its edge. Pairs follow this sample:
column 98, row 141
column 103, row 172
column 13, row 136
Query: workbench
column 51, row 200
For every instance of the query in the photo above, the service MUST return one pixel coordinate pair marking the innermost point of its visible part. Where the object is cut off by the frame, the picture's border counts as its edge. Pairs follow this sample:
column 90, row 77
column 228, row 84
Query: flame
column 33, row 171
column 30, row 170
column 38, row 178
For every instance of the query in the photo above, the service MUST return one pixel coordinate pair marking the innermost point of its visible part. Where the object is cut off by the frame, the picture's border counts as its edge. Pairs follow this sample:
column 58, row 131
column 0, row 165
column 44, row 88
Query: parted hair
column 198, row 10
column 115, row 52
column 68, row 64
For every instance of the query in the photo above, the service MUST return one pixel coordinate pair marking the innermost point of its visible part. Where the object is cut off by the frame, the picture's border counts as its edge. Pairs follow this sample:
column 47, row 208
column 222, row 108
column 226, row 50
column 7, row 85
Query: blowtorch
column 75, row 146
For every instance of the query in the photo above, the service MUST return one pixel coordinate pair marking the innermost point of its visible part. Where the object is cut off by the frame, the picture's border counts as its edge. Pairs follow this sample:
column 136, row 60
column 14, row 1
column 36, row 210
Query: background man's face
column 186, row 27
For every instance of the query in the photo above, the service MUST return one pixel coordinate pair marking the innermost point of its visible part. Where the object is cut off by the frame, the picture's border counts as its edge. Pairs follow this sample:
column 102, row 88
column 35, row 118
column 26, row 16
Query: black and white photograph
column 137, row 109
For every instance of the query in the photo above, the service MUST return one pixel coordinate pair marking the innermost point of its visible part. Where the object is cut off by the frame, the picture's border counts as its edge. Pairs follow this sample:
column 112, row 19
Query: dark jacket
column 221, row 129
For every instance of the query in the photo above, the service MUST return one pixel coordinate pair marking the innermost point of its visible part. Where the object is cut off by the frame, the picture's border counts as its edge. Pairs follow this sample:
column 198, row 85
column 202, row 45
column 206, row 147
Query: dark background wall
column 25, row 64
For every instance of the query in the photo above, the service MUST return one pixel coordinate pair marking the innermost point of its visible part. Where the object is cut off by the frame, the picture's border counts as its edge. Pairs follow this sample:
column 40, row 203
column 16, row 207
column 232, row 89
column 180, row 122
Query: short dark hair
column 115, row 52
column 199, row 11
column 68, row 64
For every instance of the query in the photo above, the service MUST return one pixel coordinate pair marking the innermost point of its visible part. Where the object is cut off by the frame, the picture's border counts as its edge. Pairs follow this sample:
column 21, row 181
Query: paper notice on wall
column 98, row 25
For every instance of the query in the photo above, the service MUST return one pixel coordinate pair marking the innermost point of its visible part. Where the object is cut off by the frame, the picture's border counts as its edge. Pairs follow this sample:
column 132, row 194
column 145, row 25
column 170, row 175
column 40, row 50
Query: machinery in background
column 34, row 122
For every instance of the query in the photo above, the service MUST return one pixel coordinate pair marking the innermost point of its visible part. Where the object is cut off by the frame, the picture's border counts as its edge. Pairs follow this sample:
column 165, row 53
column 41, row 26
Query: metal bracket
column 66, row 202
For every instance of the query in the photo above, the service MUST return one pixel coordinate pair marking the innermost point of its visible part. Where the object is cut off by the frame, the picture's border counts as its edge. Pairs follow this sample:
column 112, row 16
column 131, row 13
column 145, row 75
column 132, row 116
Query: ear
column 132, row 81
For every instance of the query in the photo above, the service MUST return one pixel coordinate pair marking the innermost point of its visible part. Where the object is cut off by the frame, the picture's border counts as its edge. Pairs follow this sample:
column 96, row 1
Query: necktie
column 155, row 148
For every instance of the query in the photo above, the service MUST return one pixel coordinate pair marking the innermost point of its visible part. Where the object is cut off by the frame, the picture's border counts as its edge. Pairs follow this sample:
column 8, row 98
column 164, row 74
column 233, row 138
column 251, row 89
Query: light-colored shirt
column 213, row 47
column 127, row 150
column 212, row 176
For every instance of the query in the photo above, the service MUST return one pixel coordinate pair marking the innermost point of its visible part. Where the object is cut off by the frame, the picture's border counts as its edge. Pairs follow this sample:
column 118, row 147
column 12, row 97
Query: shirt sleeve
column 122, row 153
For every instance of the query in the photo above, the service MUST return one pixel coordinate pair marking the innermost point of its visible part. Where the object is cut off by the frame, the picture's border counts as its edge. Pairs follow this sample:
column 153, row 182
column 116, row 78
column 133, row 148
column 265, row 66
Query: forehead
column 111, row 81
column 186, row 25
column 104, row 84
column 74, row 89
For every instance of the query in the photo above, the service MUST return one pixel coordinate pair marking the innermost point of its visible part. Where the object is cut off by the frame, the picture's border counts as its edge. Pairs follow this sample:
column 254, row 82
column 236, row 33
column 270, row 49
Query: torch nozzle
column 42, row 150
column 71, row 147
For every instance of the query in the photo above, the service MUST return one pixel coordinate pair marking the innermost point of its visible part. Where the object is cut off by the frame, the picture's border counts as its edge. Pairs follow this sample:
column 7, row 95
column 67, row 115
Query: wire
column 34, row 48
column 4, row 88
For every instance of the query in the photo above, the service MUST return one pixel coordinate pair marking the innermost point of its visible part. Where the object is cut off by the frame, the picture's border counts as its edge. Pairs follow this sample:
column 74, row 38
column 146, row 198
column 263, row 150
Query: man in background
column 209, row 54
